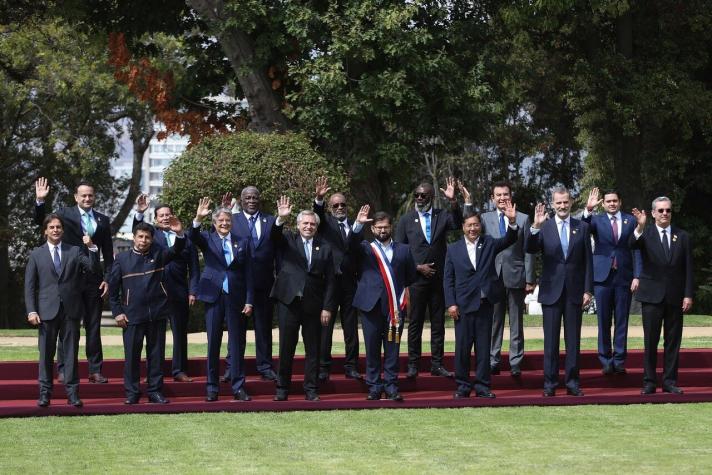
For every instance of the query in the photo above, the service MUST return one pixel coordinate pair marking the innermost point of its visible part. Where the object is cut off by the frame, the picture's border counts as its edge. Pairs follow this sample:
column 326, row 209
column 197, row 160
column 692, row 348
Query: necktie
column 169, row 238
column 307, row 253
column 253, row 229
column 502, row 228
column 88, row 226
column 56, row 260
column 472, row 251
column 614, row 228
column 666, row 244
column 427, row 226
column 564, row 238
column 342, row 228
column 228, row 260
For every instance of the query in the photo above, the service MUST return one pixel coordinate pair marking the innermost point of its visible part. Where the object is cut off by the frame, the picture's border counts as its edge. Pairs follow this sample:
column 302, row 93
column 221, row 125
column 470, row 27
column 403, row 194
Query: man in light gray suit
column 54, row 280
column 515, row 269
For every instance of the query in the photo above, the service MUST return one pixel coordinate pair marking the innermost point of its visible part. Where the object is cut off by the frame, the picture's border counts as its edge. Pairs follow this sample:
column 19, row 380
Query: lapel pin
column 316, row 248
column 573, row 231
column 152, row 260
column 416, row 220
column 264, row 220
column 674, row 237
column 625, row 221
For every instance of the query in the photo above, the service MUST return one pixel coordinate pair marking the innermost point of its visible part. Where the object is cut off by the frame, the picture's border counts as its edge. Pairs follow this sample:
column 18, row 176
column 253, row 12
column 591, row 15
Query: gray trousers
column 513, row 303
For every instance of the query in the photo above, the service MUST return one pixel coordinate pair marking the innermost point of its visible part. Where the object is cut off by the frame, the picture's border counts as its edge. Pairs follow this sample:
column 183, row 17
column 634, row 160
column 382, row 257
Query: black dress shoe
column 323, row 376
column 182, row 378
column 157, row 398
column 486, row 394
column 441, row 371
column 225, row 378
column 461, row 395
column 549, row 392
column 242, row 395
column 312, row 396
column 607, row 369
column 648, row 389
column 412, row 372
column 394, row 396
column 131, row 400
column 494, row 370
column 280, row 396
column 74, row 400
column 373, row 396
column 672, row 389
column 515, row 371
column 353, row 374
column 574, row 392
column 98, row 378
column 269, row 375
column 43, row 401
column 211, row 397
column 619, row 370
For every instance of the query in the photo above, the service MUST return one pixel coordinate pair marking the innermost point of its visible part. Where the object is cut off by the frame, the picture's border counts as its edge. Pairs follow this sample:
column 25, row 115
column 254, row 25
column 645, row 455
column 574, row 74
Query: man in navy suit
column 253, row 225
column 226, row 288
column 386, row 269
column 78, row 221
column 425, row 230
column 615, row 275
column 666, row 290
column 472, row 287
column 338, row 231
column 180, row 279
column 565, row 287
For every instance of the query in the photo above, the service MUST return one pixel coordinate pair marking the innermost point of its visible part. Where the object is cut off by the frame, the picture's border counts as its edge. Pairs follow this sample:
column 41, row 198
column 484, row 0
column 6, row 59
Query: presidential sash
column 396, row 296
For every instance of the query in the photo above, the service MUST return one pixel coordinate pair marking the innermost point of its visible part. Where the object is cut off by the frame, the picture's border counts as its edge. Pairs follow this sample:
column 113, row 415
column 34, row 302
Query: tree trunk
column 265, row 111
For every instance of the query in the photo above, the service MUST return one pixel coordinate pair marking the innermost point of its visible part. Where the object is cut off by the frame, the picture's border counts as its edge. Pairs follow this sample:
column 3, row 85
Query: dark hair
column 471, row 214
column 51, row 217
column 501, row 184
column 382, row 216
column 144, row 227
column 611, row 191
column 82, row 183
column 161, row 206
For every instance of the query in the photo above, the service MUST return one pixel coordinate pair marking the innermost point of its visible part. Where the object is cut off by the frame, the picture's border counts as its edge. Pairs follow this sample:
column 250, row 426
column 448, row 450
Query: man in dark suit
column 386, row 269
column 666, row 290
column 425, row 230
column 78, row 221
column 140, row 305
column 254, row 226
column 337, row 230
column 304, row 290
column 180, row 278
column 472, row 287
column 515, row 269
column 615, row 275
column 53, row 298
column 566, row 285
column 226, row 288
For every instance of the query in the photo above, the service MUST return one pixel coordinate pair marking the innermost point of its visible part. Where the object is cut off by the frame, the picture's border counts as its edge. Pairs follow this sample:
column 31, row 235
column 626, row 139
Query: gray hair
column 659, row 199
column 221, row 210
column 560, row 190
column 248, row 189
column 307, row 212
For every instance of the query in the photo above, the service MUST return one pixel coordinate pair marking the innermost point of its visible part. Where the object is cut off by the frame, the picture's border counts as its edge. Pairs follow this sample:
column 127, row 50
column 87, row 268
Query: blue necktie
column 307, row 253
column 88, row 226
column 502, row 228
column 564, row 238
column 253, row 229
column 228, row 260
column 169, row 240
column 56, row 261
column 427, row 226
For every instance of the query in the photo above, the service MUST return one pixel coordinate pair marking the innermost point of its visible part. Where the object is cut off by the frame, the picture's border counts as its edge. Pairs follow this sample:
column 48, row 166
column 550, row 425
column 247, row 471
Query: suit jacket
column 371, row 290
column 573, row 271
column 239, row 272
column 410, row 232
column 515, row 266
column 71, row 219
column 663, row 280
column 466, row 287
column 315, row 284
column 607, row 248
column 45, row 290
column 330, row 231
column 262, row 254
column 136, row 284
column 182, row 273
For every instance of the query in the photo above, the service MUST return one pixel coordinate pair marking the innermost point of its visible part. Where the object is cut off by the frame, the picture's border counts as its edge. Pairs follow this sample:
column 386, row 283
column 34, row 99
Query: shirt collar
column 307, row 241
column 468, row 243
column 52, row 246
column 617, row 215
column 344, row 221
column 248, row 215
column 386, row 245
column 559, row 220
column 82, row 212
column 660, row 230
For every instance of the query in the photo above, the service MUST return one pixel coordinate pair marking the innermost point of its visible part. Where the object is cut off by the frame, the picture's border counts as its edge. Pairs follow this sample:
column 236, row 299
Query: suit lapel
column 216, row 241
column 63, row 260
column 264, row 228
column 493, row 219
column 299, row 243
column 673, row 244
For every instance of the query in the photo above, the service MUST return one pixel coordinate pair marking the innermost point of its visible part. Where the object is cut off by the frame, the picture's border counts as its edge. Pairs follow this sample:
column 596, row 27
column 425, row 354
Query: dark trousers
column 291, row 317
column 49, row 330
column 375, row 334
column 180, row 314
column 553, row 314
column 667, row 317
column 513, row 304
column 612, row 306
column 262, row 317
column 93, row 304
column 155, row 334
column 473, row 328
column 426, row 294
column 345, row 289
column 216, row 314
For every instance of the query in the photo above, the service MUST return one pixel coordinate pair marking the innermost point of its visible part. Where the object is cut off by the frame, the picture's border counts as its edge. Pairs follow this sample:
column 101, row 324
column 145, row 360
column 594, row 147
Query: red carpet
column 19, row 389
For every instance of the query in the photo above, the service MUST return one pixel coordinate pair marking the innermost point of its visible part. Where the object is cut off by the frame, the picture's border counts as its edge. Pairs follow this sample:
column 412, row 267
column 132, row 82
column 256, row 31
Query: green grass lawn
column 651, row 438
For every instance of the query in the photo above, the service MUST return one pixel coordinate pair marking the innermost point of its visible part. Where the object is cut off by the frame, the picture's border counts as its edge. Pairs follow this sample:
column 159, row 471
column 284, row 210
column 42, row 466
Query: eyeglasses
column 664, row 211
column 421, row 195
column 338, row 205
